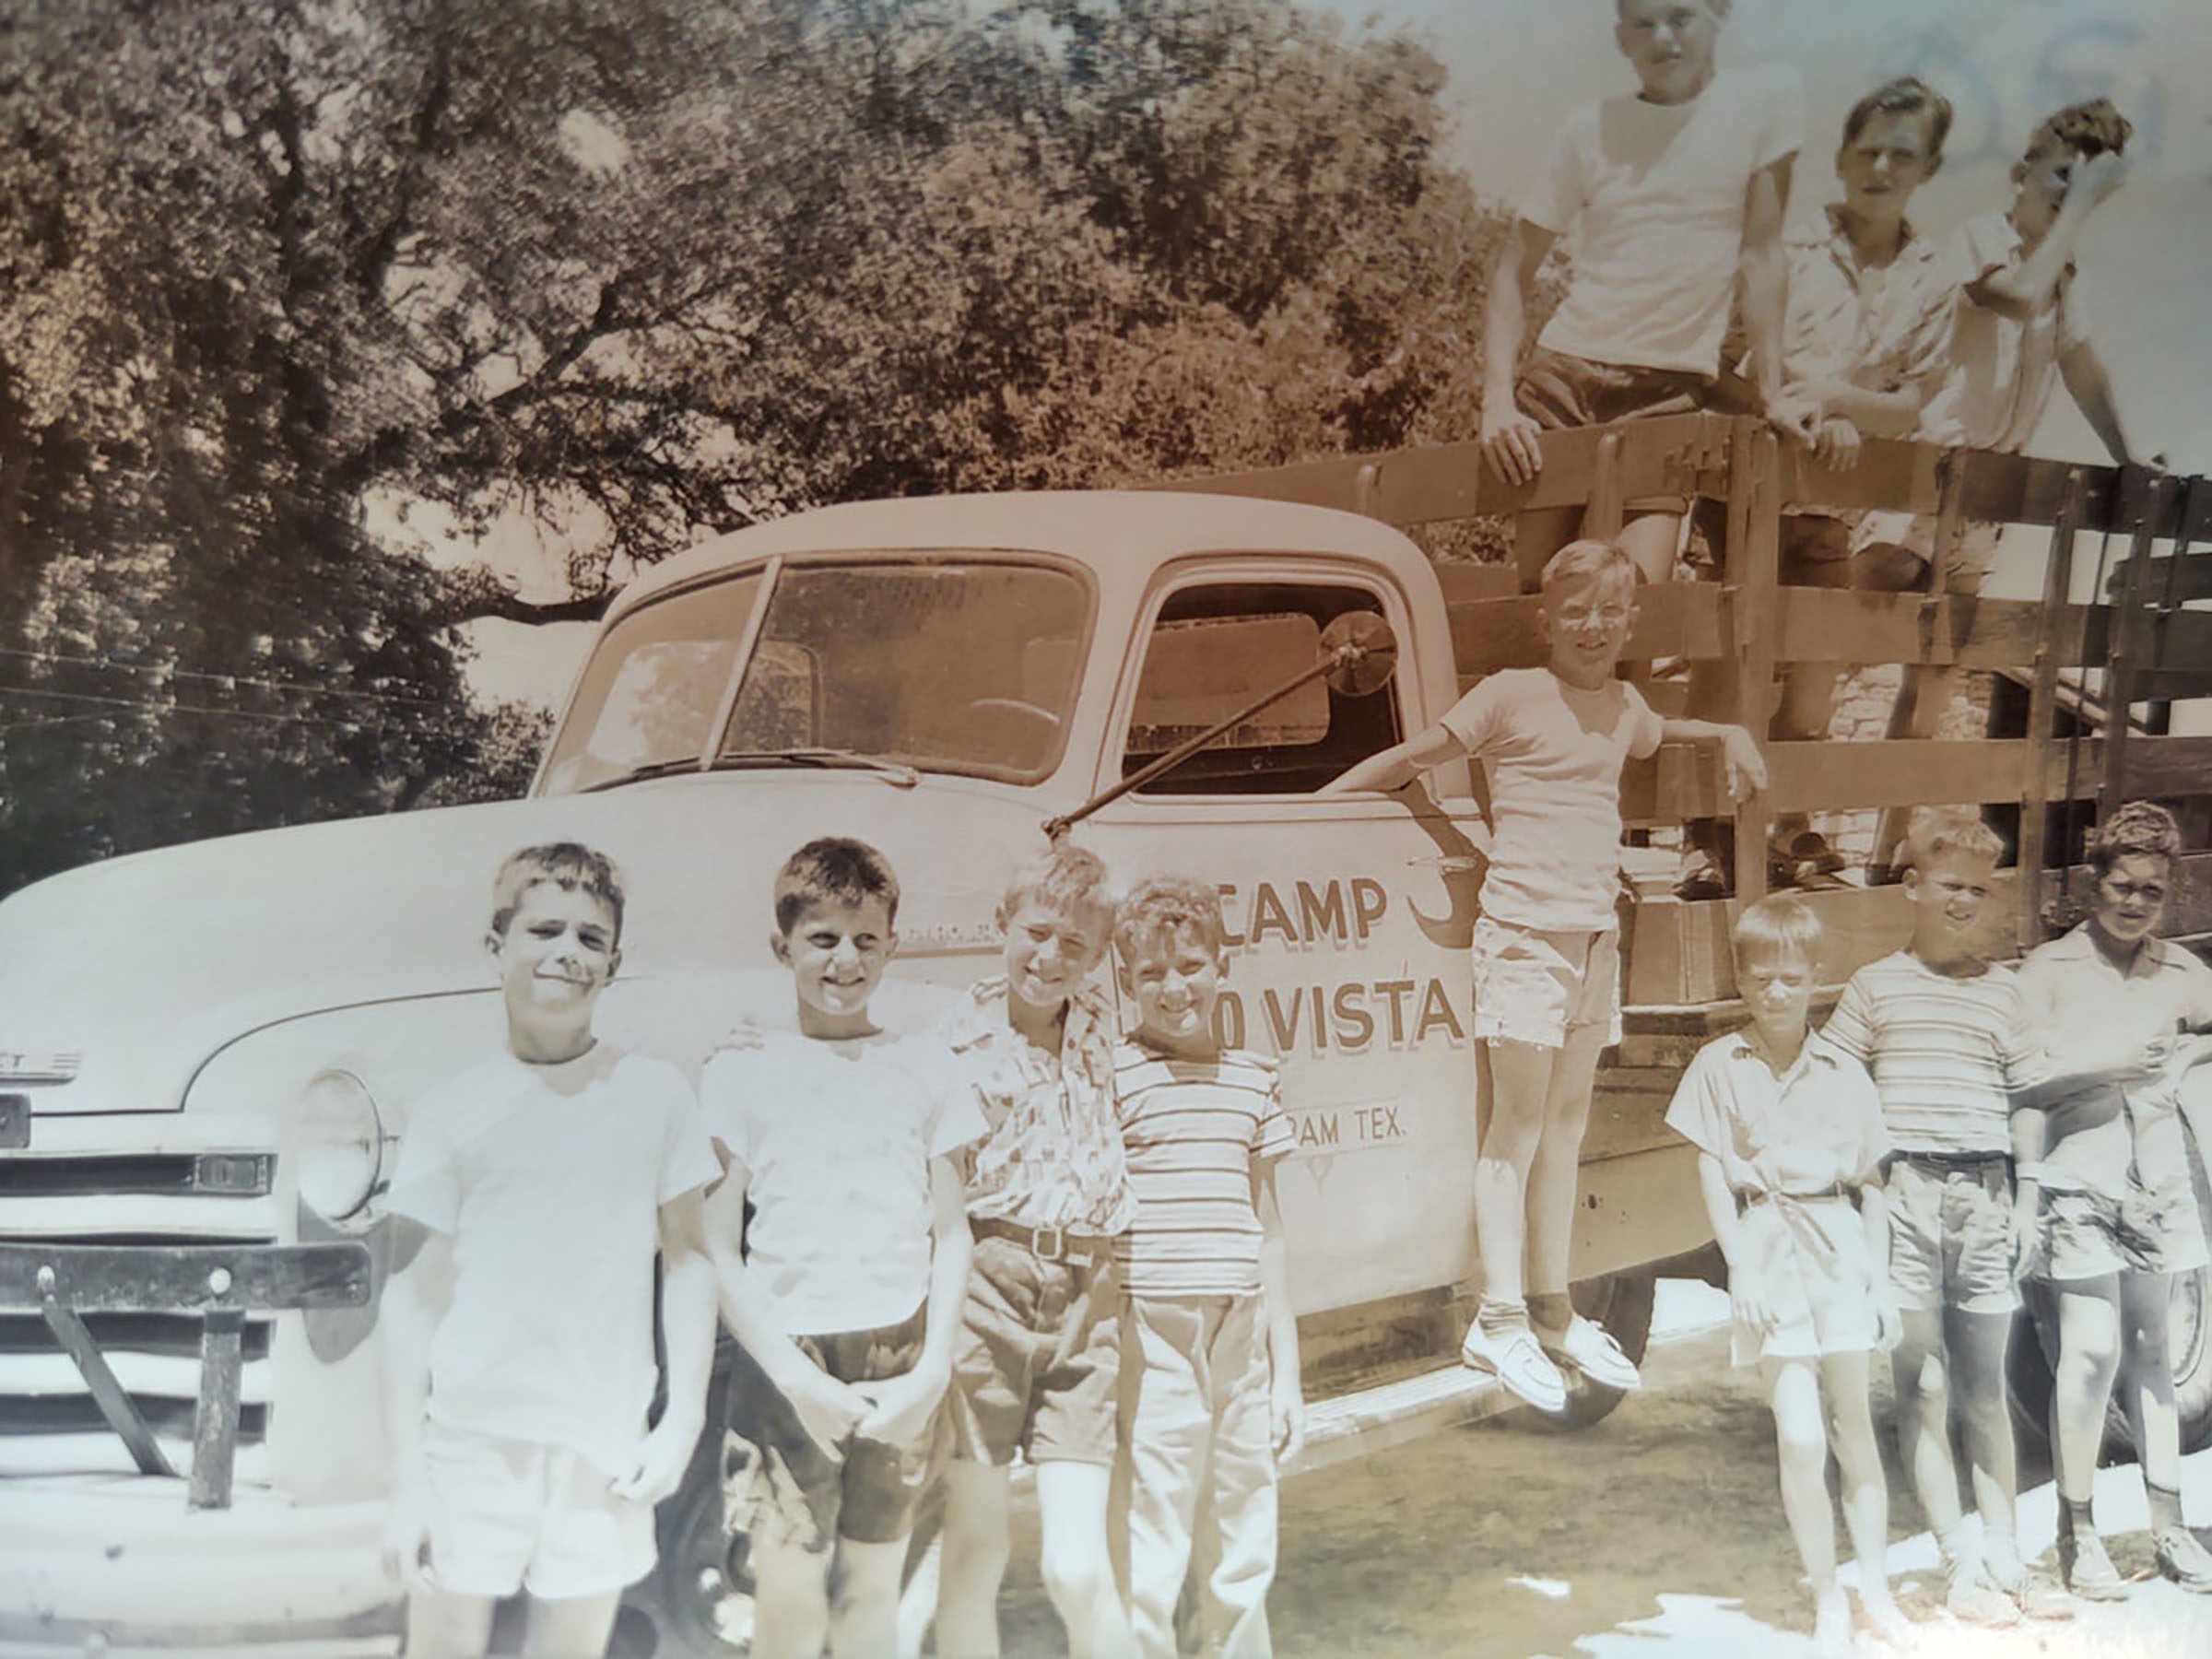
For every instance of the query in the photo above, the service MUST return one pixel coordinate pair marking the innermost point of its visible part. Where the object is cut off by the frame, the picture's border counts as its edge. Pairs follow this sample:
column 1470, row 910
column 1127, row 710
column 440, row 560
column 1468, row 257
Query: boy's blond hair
column 1068, row 879
column 1169, row 905
column 1587, row 556
column 1934, row 834
column 833, row 870
column 1779, row 924
column 2088, row 128
column 570, row 865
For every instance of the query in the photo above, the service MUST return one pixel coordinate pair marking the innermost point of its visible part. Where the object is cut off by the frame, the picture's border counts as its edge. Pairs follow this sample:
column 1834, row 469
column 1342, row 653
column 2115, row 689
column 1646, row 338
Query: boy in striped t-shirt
column 1947, row 1039
column 1209, row 1343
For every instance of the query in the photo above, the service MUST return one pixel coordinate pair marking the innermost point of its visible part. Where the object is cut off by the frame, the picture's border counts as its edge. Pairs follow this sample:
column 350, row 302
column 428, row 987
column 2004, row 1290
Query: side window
column 1218, row 646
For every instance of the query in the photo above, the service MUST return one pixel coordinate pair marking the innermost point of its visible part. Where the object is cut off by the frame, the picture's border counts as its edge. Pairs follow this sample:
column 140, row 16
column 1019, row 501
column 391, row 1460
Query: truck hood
column 120, row 980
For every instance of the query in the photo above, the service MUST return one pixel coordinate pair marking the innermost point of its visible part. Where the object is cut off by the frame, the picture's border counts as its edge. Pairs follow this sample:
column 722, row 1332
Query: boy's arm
column 1873, row 1214
column 827, row 1409
column 2018, row 290
column 688, row 1321
column 1746, row 768
column 1745, row 1294
column 1288, row 1406
column 2083, row 371
column 1510, row 437
column 2031, row 1136
column 1398, row 766
column 415, row 1298
column 903, row 1404
column 1763, row 275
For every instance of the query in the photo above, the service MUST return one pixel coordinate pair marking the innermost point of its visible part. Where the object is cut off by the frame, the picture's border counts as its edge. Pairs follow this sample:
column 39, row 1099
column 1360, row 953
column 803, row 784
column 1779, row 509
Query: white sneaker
column 1587, row 1348
column 1515, row 1361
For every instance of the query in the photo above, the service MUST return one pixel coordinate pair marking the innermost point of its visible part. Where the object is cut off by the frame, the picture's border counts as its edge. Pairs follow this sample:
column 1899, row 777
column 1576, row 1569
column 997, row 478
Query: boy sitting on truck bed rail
column 1036, row 1370
column 843, row 1286
column 532, row 1193
column 1553, row 741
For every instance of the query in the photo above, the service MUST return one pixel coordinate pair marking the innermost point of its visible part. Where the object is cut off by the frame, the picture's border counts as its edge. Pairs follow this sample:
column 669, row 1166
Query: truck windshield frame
column 963, row 662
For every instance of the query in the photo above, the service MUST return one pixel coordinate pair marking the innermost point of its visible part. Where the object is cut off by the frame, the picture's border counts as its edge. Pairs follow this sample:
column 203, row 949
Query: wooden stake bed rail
column 221, row 1283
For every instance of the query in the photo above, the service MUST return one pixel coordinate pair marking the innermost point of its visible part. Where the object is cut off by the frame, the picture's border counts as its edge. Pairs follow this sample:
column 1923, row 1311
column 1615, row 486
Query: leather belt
column 1046, row 1244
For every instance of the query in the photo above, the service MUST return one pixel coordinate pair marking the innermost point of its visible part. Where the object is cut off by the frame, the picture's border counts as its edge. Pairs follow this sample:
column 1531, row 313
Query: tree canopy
column 277, row 272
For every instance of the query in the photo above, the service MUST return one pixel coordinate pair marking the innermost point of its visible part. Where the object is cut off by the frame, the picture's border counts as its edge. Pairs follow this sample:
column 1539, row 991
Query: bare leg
column 2089, row 1357
column 446, row 1623
column 863, row 1613
column 1865, row 1493
column 1077, row 1572
column 2146, row 1378
column 1519, row 1089
column 1801, row 1442
column 1924, row 1404
column 791, row 1602
column 977, row 1543
column 1556, row 1168
column 1925, row 693
column 1977, row 1344
column 1650, row 540
column 570, row 1627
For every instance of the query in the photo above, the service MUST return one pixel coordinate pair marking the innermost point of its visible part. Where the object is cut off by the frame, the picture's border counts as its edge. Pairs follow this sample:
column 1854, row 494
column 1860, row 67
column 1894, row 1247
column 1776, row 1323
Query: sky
column 1516, row 66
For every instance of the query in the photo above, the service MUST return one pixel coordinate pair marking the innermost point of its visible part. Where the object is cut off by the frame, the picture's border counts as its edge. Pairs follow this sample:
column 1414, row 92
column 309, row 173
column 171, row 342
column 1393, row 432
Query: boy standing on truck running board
column 1210, row 1396
column 839, row 1238
column 531, row 1194
column 1552, row 741
column 1790, row 1147
column 1946, row 1035
column 1036, row 1370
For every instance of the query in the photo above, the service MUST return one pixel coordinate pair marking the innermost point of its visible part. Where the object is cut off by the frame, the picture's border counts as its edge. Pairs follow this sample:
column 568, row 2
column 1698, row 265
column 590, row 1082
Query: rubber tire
column 2035, row 1342
column 1622, row 1304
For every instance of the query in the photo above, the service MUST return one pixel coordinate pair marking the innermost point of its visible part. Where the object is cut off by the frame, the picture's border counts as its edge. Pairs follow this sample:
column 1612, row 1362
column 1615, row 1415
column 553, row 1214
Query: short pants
column 1558, row 390
column 2087, row 1235
column 1915, row 531
column 1537, row 985
column 1810, row 1258
column 1038, row 1366
column 510, row 1515
column 780, row 1487
column 1950, row 1233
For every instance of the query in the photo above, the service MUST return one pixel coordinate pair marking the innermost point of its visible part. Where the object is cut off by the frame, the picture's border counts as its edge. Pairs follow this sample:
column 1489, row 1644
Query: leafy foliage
column 273, row 270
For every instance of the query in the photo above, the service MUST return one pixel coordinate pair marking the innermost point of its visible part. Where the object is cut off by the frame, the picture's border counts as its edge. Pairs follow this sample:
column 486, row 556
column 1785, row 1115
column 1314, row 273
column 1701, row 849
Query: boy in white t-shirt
column 1673, row 196
column 531, row 1195
column 840, row 1241
column 1553, row 741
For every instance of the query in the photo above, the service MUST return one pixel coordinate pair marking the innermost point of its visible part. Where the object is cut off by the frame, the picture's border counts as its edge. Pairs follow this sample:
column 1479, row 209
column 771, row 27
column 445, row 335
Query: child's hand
column 661, row 1462
column 2024, row 1231
column 828, row 1410
column 1836, row 444
column 1750, row 1306
column 1745, row 767
column 2097, row 179
column 1287, row 1412
column 901, row 1407
column 407, row 1534
column 745, row 1034
column 1510, row 442
column 1794, row 415
column 1888, row 1320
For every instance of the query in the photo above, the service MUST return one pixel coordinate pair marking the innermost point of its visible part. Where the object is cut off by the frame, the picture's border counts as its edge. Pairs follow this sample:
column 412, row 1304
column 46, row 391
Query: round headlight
column 339, row 1146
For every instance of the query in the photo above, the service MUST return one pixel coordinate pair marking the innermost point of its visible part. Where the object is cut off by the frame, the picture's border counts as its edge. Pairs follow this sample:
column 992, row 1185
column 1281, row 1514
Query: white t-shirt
column 549, row 1180
column 2001, row 368
column 1553, row 756
column 835, row 1141
column 1654, row 196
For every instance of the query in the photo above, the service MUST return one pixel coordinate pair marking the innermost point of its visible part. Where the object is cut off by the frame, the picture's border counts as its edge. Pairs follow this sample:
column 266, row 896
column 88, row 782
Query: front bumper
column 115, row 1564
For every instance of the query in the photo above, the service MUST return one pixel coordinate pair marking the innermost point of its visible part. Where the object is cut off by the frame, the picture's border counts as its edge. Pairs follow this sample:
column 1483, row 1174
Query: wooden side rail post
column 2042, row 701
column 221, row 1283
column 1753, row 575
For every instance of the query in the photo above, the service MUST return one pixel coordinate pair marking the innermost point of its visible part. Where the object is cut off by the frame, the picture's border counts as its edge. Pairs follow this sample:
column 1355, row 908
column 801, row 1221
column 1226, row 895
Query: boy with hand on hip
column 843, row 1286
column 1791, row 1146
column 532, row 1194
column 1211, row 1394
column 1946, row 1037
column 1674, row 195
column 1037, row 1368
column 1552, row 741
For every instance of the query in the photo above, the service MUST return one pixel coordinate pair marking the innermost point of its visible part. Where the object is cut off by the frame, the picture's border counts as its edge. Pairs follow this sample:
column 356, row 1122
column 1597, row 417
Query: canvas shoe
column 1831, row 1624
column 1973, row 1599
column 1513, row 1357
column 2089, row 1572
column 2038, row 1595
column 2183, row 1560
column 1587, row 1348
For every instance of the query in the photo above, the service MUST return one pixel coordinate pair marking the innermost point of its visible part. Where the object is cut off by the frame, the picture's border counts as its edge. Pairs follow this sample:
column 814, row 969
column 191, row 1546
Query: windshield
column 950, row 664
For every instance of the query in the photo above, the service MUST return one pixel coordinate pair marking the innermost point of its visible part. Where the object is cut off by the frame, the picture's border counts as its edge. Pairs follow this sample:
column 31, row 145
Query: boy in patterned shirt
column 1209, row 1341
column 1035, row 1371
column 1947, row 1039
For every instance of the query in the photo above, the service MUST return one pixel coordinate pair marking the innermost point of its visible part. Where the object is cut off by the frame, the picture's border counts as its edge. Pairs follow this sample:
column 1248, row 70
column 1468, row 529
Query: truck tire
column 2189, row 1338
column 1622, row 1304
column 699, row 1597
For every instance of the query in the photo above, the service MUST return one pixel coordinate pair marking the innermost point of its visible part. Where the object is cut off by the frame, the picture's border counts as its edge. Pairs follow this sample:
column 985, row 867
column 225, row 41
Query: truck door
column 1348, row 918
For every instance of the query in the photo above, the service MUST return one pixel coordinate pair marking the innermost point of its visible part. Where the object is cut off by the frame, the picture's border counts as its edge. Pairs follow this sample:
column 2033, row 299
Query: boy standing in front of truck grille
column 1036, row 1371
column 1946, row 1037
column 1210, row 1394
column 839, row 1238
column 1552, row 741
column 531, row 1195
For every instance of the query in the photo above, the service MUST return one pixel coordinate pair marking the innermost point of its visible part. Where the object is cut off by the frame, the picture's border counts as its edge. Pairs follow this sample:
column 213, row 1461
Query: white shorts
column 508, row 1516
column 1539, row 985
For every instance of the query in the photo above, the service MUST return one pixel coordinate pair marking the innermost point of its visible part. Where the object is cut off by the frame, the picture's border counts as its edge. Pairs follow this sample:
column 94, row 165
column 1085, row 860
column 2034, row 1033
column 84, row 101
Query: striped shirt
column 1194, row 1129
column 1947, row 1051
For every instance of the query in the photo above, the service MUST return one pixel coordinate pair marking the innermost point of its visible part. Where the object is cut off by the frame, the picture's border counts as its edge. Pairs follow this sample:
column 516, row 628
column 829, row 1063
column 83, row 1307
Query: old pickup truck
column 208, row 1054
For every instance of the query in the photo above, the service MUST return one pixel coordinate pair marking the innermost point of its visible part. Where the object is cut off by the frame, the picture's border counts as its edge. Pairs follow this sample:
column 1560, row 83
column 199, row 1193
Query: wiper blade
column 638, row 775
column 894, row 772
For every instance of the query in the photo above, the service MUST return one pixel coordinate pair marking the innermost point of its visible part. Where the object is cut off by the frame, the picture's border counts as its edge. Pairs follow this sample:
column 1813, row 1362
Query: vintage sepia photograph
column 1105, row 828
